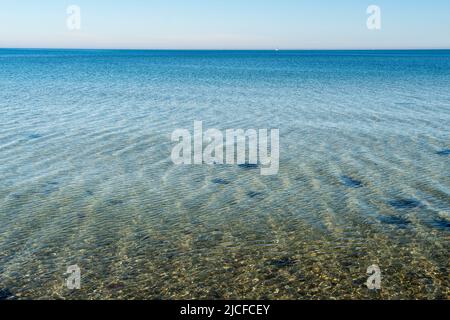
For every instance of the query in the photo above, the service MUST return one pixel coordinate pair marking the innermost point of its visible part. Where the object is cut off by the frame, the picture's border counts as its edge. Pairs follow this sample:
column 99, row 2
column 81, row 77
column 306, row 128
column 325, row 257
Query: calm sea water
column 86, row 176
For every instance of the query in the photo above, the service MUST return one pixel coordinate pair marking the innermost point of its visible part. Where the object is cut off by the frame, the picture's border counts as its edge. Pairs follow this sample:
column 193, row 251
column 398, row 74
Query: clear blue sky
column 225, row 24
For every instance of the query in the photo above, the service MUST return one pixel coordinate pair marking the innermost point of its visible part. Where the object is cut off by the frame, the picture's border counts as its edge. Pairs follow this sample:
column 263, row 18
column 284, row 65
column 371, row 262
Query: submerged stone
column 220, row 181
column 116, row 286
column 17, row 196
column 360, row 282
column 350, row 182
column 404, row 203
column 253, row 194
column 248, row 166
column 34, row 136
column 81, row 215
column 441, row 224
column 283, row 262
column 394, row 220
column 50, row 187
column 445, row 152
column 5, row 294
column 115, row 202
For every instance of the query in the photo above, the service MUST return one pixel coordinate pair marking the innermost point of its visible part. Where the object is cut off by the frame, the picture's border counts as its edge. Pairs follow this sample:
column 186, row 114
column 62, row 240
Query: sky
column 225, row 24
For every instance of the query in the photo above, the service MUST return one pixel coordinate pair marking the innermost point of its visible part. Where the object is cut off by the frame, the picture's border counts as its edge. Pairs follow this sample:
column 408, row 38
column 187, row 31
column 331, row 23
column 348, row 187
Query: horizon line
column 218, row 49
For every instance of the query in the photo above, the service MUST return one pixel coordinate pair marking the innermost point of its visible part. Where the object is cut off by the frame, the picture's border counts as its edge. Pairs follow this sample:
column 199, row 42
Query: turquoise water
column 87, row 178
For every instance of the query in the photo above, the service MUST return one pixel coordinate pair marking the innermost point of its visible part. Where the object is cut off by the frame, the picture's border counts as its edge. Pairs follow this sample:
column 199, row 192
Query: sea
column 87, row 178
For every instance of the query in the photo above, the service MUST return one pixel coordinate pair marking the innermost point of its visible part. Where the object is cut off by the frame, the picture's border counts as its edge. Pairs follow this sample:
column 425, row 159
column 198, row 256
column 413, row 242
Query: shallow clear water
column 87, row 179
